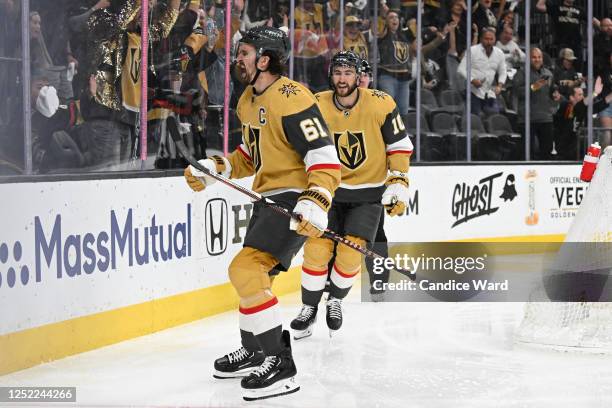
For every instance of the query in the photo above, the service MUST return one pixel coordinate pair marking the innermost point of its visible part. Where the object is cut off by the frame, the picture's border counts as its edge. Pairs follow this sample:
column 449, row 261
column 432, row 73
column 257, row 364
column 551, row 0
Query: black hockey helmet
column 269, row 41
column 366, row 68
column 344, row 59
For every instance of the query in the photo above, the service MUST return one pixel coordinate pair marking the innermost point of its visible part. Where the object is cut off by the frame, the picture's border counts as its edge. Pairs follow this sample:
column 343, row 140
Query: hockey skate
column 333, row 315
column 275, row 377
column 303, row 324
column 237, row 364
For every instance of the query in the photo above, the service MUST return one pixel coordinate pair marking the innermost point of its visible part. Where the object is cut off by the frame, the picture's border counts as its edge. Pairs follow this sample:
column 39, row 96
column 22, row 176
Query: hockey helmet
column 344, row 59
column 366, row 68
column 269, row 41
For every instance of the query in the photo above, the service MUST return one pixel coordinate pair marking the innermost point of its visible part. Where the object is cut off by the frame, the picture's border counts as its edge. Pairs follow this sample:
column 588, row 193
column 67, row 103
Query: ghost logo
column 351, row 148
column 471, row 202
column 216, row 226
column 509, row 192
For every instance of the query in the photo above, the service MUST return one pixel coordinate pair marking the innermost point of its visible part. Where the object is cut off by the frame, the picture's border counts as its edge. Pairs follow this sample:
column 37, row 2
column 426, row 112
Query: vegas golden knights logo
column 351, row 148
column 401, row 51
column 135, row 65
column 250, row 135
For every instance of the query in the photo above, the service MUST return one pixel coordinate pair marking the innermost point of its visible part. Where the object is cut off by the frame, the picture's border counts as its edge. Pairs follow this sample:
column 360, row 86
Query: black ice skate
column 303, row 324
column 275, row 377
column 333, row 314
column 237, row 364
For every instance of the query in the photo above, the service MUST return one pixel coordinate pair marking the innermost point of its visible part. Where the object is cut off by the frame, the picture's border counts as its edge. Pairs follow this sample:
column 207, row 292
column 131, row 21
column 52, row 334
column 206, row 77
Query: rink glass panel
column 82, row 142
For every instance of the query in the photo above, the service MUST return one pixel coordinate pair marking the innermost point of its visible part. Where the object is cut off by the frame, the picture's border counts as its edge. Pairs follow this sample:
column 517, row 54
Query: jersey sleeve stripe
column 389, row 153
column 244, row 153
column 403, row 145
column 325, row 155
column 323, row 166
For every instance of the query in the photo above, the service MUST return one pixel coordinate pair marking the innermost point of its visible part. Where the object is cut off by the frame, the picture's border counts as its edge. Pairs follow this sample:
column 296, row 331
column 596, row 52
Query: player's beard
column 242, row 74
column 346, row 91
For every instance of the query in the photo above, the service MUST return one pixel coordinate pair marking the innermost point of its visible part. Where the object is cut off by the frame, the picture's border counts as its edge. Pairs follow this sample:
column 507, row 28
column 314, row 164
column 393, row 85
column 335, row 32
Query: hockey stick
column 175, row 134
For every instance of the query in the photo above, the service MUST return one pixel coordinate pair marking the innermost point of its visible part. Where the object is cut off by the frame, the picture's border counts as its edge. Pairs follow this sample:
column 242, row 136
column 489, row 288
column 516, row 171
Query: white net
column 584, row 326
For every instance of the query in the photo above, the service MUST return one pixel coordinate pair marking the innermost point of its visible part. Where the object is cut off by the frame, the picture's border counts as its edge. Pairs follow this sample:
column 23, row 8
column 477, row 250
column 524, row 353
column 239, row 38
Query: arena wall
column 88, row 263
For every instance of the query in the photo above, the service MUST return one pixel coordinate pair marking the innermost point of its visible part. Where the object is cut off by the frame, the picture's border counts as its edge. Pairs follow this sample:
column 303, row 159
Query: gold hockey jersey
column 359, row 45
column 370, row 138
column 285, row 141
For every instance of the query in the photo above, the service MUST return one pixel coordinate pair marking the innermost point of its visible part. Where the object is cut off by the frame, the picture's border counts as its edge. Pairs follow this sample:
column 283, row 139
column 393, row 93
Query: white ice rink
column 386, row 355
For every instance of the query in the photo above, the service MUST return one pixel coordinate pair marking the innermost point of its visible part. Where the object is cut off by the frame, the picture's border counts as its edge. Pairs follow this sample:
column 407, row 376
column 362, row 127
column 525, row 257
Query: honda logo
column 216, row 226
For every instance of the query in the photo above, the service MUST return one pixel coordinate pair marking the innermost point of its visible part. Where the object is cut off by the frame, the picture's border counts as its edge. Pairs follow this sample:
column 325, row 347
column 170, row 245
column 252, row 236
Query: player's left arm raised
column 399, row 148
column 308, row 134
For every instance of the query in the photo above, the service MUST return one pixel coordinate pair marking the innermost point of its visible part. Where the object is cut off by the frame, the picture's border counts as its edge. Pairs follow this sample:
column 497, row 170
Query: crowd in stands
column 85, row 58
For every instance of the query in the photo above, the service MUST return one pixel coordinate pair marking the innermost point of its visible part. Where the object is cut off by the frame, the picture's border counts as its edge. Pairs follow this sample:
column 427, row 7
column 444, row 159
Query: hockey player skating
column 379, row 245
column 374, row 149
column 287, row 146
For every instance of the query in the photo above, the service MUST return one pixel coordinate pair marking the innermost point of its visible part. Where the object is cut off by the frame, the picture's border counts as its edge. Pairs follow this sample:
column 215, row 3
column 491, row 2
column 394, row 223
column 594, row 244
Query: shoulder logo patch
column 288, row 90
column 379, row 94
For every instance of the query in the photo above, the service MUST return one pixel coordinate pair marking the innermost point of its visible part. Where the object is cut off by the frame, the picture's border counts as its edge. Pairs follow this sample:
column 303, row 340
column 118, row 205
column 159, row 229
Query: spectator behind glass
column 565, row 75
column 483, row 16
column 356, row 40
column 394, row 68
column 605, row 116
column 507, row 18
column 456, row 42
column 103, row 100
column 54, row 15
column 543, row 102
column 10, row 45
column 60, row 77
column 257, row 13
column 570, row 117
column 602, row 45
column 566, row 21
column 430, row 70
column 311, row 48
column 515, row 57
column 52, row 145
column 488, row 62
column 78, row 14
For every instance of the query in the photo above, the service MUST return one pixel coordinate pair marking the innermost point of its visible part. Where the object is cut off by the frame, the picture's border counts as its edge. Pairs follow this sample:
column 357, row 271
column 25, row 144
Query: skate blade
column 279, row 388
column 332, row 333
column 297, row 334
column 236, row 374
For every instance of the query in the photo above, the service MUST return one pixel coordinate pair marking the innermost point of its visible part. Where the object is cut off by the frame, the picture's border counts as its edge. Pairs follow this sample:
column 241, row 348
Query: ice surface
column 385, row 355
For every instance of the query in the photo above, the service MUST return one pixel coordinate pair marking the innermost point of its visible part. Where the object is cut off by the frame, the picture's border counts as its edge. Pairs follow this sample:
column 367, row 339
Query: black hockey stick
column 172, row 126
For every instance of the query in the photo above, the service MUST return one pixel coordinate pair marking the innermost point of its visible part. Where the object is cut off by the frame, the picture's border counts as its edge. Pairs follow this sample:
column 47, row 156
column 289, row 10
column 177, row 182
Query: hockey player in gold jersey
column 288, row 148
column 374, row 149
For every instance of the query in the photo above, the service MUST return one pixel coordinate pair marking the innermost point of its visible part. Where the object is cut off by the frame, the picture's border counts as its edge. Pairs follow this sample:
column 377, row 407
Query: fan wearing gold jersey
column 374, row 149
column 287, row 146
column 356, row 40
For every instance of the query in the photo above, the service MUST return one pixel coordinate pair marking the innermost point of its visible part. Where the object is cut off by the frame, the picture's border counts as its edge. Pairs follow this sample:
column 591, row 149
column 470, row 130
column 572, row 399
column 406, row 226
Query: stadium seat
column 511, row 145
column 485, row 146
column 454, row 142
column 452, row 101
column 432, row 146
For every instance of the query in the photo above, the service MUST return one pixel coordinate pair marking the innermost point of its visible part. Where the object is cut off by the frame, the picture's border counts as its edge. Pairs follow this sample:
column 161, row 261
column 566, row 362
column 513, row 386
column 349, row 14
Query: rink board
column 84, row 264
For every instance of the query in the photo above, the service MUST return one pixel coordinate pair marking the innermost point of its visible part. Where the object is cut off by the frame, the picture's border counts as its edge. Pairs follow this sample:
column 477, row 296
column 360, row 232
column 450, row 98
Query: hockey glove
column 311, row 209
column 198, row 180
column 396, row 196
